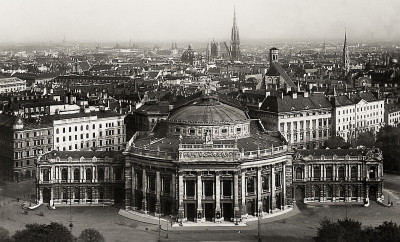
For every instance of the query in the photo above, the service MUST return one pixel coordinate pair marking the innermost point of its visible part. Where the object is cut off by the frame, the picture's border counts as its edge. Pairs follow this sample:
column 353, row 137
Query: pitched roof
column 277, row 70
column 290, row 104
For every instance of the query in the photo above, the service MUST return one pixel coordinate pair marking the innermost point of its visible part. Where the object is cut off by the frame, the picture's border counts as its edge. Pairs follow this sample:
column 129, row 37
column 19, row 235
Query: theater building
column 337, row 175
column 208, row 162
column 80, row 178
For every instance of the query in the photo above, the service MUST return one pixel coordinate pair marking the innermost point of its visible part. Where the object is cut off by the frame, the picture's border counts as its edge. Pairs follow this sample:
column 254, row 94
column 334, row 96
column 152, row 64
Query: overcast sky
column 191, row 20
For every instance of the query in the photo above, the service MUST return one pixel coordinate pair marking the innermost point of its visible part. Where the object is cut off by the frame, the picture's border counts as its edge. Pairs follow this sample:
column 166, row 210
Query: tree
column 44, row 233
column 90, row 235
column 4, row 235
column 328, row 231
column 366, row 139
column 335, row 142
column 387, row 232
column 388, row 140
column 343, row 230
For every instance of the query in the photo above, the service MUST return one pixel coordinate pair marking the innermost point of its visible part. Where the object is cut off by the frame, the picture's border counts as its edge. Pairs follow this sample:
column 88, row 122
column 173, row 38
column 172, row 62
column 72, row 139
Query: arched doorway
column 373, row 190
column 46, row 195
column 299, row 194
column 250, row 207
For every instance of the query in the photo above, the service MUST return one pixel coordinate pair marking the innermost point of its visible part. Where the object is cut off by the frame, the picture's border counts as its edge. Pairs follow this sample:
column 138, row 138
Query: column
column 173, row 192
column 181, row 209
column 158, row 192
column 259, row 191
column 144, row 189
column 199, row 198
column 283, row 186
column 51, row 197
column 82, row 178
column 243, row 183
column 128, row 186
column 70, row 175
column 41, row 195
column 133, row 187
column 94, row 177
column 334, row 172
column 236, row 195
column 217, row 196
column 358, row 172
column 273, row 188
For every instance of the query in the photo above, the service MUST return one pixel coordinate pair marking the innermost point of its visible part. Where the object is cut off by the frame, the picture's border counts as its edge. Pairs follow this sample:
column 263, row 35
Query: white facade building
column 355, row 113
column 85, row 131
column 12, row 84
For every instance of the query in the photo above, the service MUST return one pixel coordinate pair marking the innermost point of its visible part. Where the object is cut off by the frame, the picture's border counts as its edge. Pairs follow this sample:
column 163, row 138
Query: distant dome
column 394, row 61
column 208, row 111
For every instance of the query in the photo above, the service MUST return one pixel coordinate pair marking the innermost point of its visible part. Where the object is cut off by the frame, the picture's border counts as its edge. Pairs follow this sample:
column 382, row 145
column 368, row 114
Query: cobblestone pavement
column 299, row 225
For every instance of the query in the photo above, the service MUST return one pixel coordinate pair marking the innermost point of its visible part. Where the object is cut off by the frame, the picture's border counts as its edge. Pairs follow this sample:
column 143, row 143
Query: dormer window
column 224, row 131
column 177, row 130
column 192, row 131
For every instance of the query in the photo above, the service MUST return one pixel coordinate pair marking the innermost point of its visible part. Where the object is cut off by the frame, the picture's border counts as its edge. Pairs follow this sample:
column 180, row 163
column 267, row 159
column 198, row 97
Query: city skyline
column 177, row 20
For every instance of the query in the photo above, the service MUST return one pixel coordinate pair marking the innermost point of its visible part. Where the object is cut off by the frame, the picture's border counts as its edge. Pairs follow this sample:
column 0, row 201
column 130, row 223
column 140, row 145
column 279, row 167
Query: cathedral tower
column 235, row 42
column 346, row 58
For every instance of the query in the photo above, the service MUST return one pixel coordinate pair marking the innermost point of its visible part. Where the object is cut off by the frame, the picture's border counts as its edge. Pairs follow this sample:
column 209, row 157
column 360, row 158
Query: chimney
column 267, row 93
column 294, row 95
column 306, row 94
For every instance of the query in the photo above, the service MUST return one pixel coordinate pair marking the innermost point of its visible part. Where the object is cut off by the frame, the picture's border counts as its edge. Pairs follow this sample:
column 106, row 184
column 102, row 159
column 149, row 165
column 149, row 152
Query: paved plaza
column 297, row 225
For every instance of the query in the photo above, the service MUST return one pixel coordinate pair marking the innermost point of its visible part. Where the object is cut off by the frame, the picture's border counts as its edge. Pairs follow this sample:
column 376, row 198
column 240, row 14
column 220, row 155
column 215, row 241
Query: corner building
column 208, row 162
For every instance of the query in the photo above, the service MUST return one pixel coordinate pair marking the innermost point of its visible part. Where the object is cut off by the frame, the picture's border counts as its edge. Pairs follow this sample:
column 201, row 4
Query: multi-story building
column 12, row 84
column 80, row 177
column 337, row 175
column 355, row 113
column 21, row 140
column 303, row 119
column 91, row 130
column 208, row 162
column 392, row 114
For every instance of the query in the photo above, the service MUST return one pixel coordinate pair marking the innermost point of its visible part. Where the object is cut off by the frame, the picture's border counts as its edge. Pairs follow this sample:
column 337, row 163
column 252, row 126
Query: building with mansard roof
column 208, row 162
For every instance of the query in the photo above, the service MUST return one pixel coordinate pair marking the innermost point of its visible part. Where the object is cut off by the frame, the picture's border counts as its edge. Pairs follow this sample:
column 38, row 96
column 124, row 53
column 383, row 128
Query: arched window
column 118, row 174
column 354, row 172
column 299, row 173
column 317, row 172
column 77, row 175
column 317, row 192
column 57, row 131
column 372, row 172
column 100, row 174
column 64, row 174
column 341, row 172
column 329, row 192
column 329, row 172
column 250, row 184
column 65, row 193
column 278, row 179
column 341, row 191
column 77, row 193
column 89, row 174
column 46, row 175
column 354, row 192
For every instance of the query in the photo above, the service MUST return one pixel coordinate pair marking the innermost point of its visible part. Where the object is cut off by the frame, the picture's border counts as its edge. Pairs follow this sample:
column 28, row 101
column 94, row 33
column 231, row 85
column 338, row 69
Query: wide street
column 297, row 225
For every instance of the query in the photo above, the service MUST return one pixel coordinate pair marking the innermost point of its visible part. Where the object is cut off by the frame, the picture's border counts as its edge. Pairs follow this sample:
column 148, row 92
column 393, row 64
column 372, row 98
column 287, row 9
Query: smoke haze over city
column 179, row 20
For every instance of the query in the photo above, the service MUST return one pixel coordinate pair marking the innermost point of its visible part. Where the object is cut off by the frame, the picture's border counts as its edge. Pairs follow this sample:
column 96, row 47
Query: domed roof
column 208, row 111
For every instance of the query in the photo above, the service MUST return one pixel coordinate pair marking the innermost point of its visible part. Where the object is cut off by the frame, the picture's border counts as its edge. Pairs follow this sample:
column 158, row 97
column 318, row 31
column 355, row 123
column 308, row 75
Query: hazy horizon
column 155, row 21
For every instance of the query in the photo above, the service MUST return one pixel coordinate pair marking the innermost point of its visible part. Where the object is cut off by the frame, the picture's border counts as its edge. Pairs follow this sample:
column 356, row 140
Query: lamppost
column 159, row 227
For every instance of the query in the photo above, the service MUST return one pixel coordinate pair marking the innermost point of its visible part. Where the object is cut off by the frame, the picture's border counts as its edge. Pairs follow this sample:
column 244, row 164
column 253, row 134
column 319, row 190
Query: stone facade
column 80, row 177
column 353, row 175
column 226, row 169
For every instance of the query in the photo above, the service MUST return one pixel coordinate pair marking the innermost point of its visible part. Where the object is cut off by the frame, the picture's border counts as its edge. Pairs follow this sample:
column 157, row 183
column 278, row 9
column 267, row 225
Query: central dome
column 208, row 111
